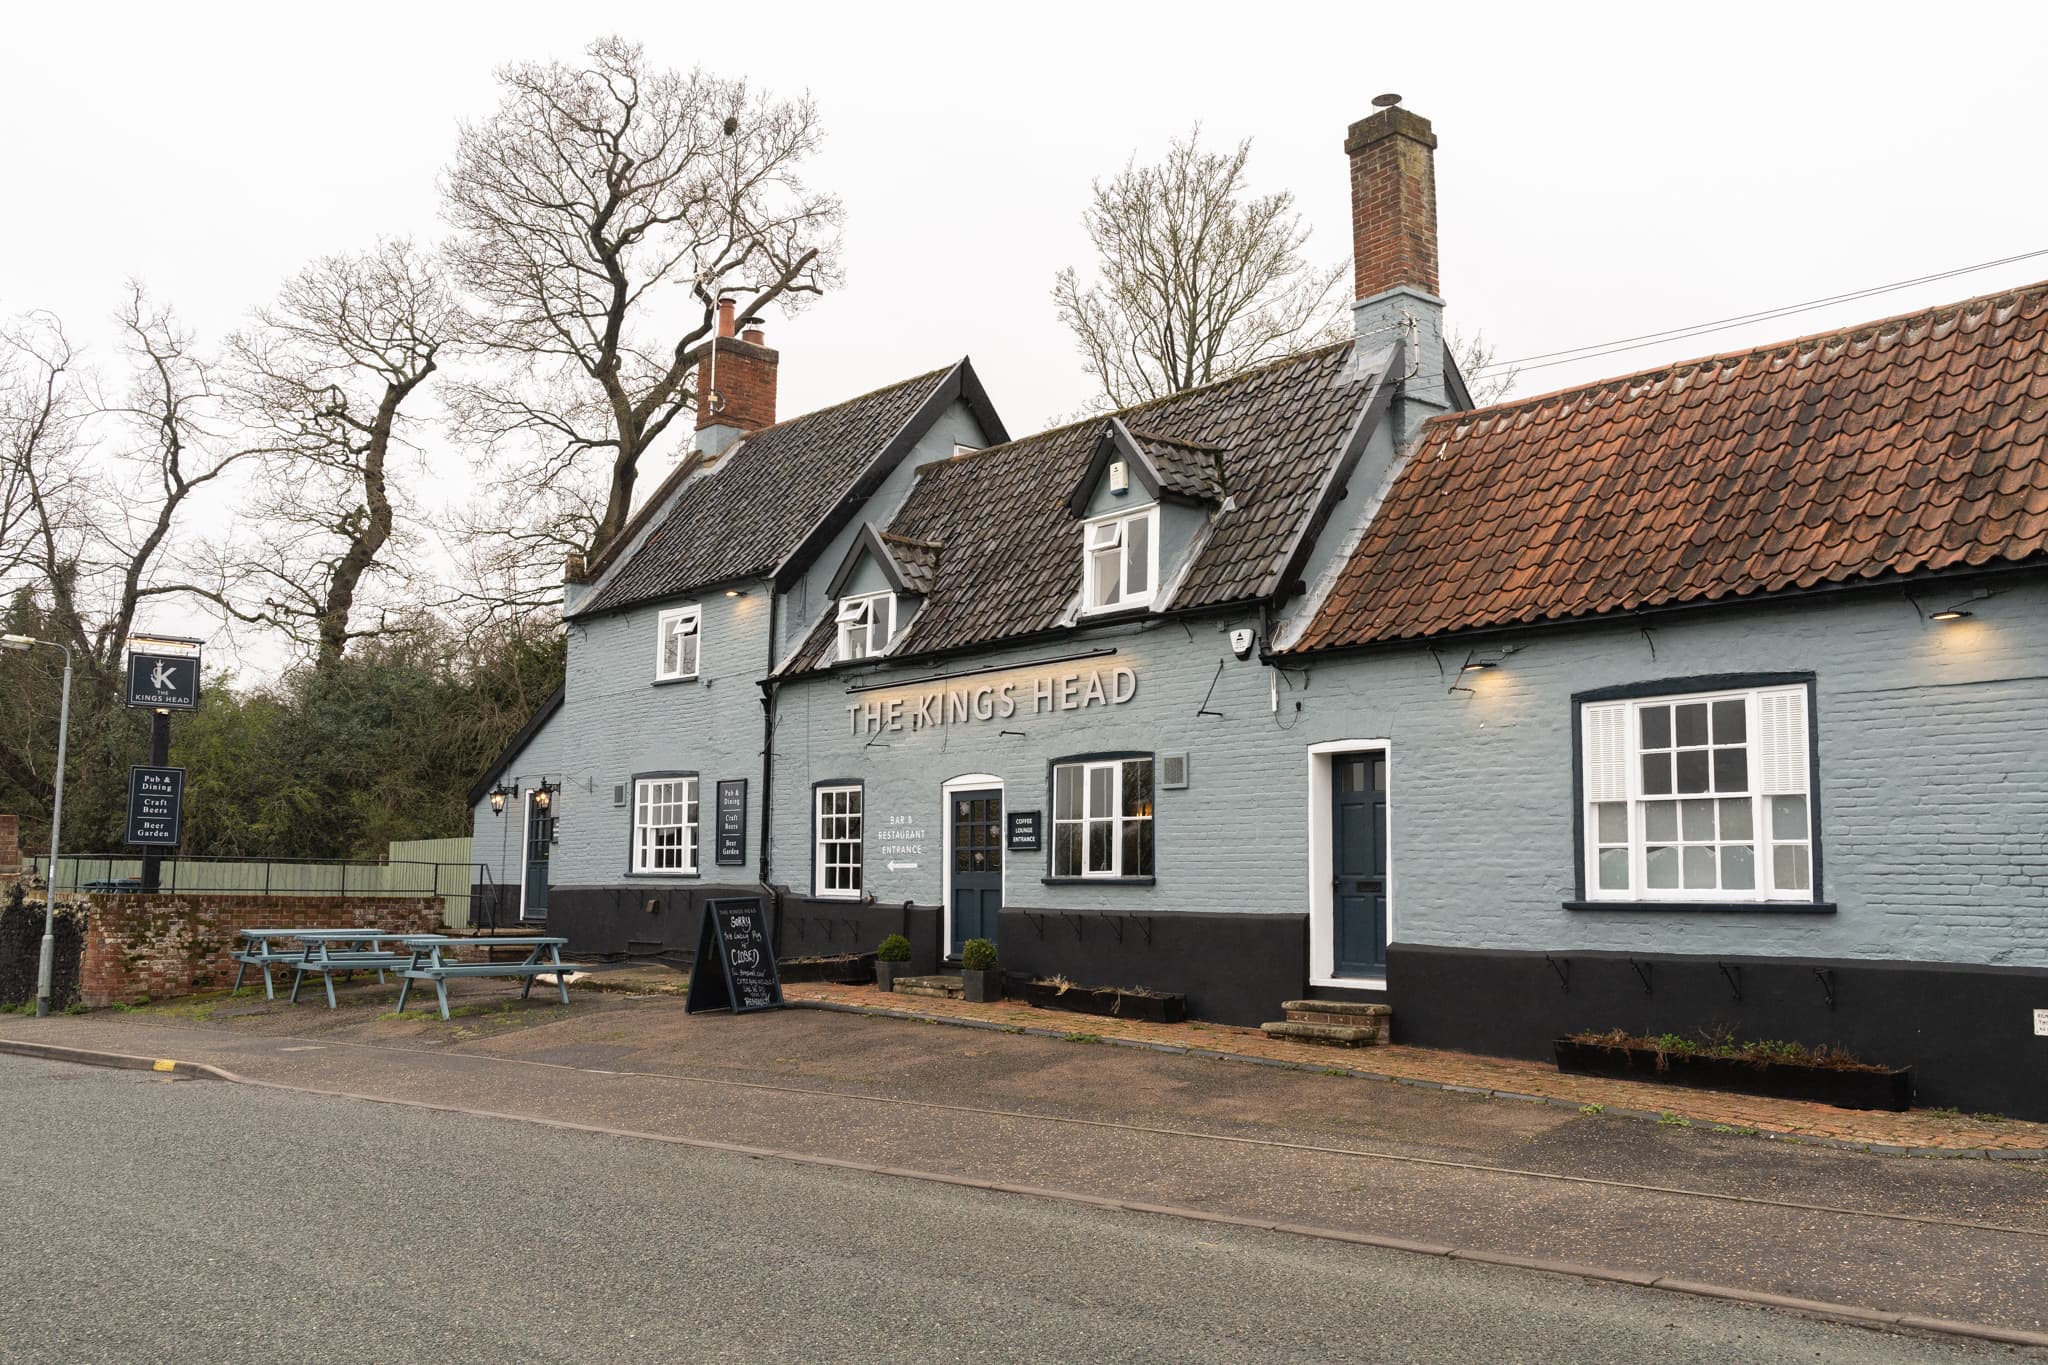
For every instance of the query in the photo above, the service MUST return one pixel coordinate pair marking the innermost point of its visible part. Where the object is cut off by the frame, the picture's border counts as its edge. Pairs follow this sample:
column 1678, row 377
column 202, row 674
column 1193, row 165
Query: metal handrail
column 179, row 875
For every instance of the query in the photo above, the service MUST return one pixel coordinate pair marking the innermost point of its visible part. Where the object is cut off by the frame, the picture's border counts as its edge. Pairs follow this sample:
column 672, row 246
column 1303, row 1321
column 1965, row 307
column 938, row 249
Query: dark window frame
column 1683, row 686
column 1052, row 822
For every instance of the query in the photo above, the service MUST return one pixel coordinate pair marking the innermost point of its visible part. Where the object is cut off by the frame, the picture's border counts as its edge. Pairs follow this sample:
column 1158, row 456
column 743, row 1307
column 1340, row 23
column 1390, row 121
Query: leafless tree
column 1196, row 278
column 98, row 493
column 599, row 212
column 326, row 377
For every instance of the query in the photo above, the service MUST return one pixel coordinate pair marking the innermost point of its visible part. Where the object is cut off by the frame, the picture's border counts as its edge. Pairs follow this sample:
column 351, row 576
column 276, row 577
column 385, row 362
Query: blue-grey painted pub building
column 1710, row 697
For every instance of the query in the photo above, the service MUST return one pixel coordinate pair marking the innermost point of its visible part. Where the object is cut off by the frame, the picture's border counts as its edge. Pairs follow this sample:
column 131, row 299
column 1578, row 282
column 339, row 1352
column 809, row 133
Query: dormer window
column 1120, row 567
column 675, row 644
column 866, row 624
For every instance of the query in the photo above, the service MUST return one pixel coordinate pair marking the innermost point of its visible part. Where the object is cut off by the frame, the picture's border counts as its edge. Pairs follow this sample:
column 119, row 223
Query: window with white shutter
column 1699, row 797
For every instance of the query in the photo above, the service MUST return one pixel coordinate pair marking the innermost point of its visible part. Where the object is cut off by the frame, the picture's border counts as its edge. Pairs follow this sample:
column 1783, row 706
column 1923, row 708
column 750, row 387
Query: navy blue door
column 977, row 870
column 1358, row 828
column 540, row 829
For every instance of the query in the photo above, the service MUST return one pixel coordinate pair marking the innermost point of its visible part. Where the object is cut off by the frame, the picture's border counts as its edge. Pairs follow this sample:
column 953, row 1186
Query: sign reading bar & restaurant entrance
column 735, row 967
column 156, row 805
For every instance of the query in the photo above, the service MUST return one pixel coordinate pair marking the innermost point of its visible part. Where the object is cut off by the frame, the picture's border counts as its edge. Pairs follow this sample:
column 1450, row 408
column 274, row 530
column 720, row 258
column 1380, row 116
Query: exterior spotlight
column 1951, row 614
column 735, row 592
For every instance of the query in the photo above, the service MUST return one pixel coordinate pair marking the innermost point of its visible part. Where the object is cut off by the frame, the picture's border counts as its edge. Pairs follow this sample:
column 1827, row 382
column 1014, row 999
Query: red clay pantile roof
column 1910, row 445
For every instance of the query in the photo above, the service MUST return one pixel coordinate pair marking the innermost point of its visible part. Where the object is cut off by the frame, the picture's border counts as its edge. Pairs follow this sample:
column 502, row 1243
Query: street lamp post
column 46, row 962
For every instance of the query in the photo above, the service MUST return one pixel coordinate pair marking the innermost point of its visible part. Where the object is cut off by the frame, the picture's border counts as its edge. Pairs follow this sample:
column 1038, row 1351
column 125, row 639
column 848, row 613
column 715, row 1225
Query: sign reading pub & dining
column 156, row 805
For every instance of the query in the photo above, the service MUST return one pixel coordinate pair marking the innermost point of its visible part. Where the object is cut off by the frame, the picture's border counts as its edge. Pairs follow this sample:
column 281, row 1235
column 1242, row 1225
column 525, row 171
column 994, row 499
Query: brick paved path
column 1917, row 1130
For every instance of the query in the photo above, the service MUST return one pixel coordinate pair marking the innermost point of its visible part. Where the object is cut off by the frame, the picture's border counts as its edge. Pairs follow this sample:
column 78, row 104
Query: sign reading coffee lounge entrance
column 965, row 703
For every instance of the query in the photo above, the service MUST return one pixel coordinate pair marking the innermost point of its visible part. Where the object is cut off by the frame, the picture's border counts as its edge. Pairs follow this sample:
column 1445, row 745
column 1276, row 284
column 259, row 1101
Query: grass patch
column 1080, row 1037
column 1592, row 1110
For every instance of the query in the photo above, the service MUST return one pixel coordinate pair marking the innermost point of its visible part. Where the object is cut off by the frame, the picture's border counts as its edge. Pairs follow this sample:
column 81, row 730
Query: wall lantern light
column 499, row 794
column 544, row 794
column 1479, row 661
column 1960, row 611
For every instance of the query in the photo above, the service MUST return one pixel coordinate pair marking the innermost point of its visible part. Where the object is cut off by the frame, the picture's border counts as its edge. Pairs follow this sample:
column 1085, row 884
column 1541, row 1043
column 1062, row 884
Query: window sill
column 672, row 682
column 668, row 876
column 1098, row 881
column 1711, row 907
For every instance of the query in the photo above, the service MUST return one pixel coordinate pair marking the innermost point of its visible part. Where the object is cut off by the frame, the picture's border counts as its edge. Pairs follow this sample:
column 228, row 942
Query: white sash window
column 665, row 824
column 1699, row 798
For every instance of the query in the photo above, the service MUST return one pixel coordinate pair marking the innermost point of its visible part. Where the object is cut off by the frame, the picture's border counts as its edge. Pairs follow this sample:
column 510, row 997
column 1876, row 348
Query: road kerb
column 119, row 1061
column 1838, row 1312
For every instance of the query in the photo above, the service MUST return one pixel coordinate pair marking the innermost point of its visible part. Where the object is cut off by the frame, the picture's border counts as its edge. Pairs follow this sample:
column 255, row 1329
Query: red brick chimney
column 1393, row 244
column 1393, row 202
column 735, row 383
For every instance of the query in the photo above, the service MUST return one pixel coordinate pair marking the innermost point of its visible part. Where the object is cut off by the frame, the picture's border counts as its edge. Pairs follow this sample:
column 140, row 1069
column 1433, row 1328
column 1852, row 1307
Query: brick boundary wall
column 10, row 844
column 155, row 947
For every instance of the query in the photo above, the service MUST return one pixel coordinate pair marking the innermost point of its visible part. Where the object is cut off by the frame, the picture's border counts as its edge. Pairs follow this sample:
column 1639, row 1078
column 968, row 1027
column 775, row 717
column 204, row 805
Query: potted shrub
column 892, row 959
column 979, row 979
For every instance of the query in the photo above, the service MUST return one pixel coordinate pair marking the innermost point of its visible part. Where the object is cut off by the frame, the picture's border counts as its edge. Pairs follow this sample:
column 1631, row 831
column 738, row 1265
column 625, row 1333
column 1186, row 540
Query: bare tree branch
column 1197, row 279
column 598, row 214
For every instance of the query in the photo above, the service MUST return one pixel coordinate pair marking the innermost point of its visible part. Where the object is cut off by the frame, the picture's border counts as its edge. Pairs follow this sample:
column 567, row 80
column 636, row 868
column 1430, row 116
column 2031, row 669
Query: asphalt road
column 152, row 1219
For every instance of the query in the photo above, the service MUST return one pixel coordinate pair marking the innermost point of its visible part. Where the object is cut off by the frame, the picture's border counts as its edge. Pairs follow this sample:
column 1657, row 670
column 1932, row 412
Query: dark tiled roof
column 917, row 561
column 1914, row 444
column 1191, row 468
column 1011, row 562
column 744, row 515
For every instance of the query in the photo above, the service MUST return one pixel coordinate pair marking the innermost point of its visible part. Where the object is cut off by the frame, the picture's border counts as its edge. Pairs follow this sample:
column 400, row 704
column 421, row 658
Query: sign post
column 163, row 676
column 735, row 967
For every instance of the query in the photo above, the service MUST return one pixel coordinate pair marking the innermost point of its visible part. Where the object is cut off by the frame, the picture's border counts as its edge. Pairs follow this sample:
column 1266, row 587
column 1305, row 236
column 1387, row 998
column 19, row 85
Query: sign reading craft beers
column 156, row 805
column 163, row 682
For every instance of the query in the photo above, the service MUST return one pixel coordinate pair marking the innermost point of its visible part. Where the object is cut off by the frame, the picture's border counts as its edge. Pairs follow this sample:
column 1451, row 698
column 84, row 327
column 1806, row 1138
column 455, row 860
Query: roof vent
column 1173, row 771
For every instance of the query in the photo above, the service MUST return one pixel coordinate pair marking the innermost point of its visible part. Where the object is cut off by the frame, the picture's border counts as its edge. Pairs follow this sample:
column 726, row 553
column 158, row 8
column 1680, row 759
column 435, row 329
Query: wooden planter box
column 1845, row 1089
column 1152, row 1007
column 843, row 969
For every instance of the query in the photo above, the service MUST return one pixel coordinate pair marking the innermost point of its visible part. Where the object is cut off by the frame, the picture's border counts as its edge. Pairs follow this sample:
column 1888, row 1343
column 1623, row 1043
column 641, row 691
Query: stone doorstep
column 1358, row 1010
column 1334, row 1035
column 936, row 987
column 1335, row 1020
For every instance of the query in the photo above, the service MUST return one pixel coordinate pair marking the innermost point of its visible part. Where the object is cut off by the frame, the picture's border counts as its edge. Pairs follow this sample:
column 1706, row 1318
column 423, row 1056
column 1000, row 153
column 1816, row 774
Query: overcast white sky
column 1603, row 170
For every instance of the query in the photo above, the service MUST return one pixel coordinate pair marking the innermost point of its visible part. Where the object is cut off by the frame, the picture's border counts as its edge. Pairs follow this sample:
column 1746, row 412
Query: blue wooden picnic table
column 322, row 952
column 432, row 961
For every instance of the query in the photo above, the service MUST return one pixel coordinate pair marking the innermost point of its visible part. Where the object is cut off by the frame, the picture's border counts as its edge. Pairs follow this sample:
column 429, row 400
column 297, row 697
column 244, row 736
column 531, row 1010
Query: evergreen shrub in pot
column 979, row 979
column 892, row 959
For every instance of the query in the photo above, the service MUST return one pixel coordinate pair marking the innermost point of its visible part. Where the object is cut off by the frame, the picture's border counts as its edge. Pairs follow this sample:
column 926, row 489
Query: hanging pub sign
column 735, row 966
column 156, row 805
column 1023, row 831
column 163, row 682
column 732, row 823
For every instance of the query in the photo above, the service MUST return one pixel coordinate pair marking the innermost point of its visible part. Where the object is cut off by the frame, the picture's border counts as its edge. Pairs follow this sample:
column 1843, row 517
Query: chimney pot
column 725, row 307
column 750, row 332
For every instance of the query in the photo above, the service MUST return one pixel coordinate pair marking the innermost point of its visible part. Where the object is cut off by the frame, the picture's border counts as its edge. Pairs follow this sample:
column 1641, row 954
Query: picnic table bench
column 322, row 953
column 430, row 962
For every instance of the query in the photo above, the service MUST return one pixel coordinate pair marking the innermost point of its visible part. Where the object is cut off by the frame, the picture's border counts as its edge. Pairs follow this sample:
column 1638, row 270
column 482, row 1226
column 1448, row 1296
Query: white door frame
column 1322, row 923
column 966, row 782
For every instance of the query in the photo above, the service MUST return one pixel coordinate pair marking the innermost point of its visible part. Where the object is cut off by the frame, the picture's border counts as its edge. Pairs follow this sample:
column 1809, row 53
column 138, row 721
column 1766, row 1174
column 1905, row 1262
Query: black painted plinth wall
column 636, row 921
column 1233, row 969
column 1966, row 1031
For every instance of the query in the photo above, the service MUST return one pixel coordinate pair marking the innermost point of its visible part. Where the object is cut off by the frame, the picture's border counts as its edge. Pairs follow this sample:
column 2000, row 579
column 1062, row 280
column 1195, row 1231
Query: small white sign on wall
column 2041, row 1023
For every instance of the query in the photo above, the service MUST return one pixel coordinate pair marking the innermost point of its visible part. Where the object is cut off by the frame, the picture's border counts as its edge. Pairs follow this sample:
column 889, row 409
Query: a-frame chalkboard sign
column 735, row 967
